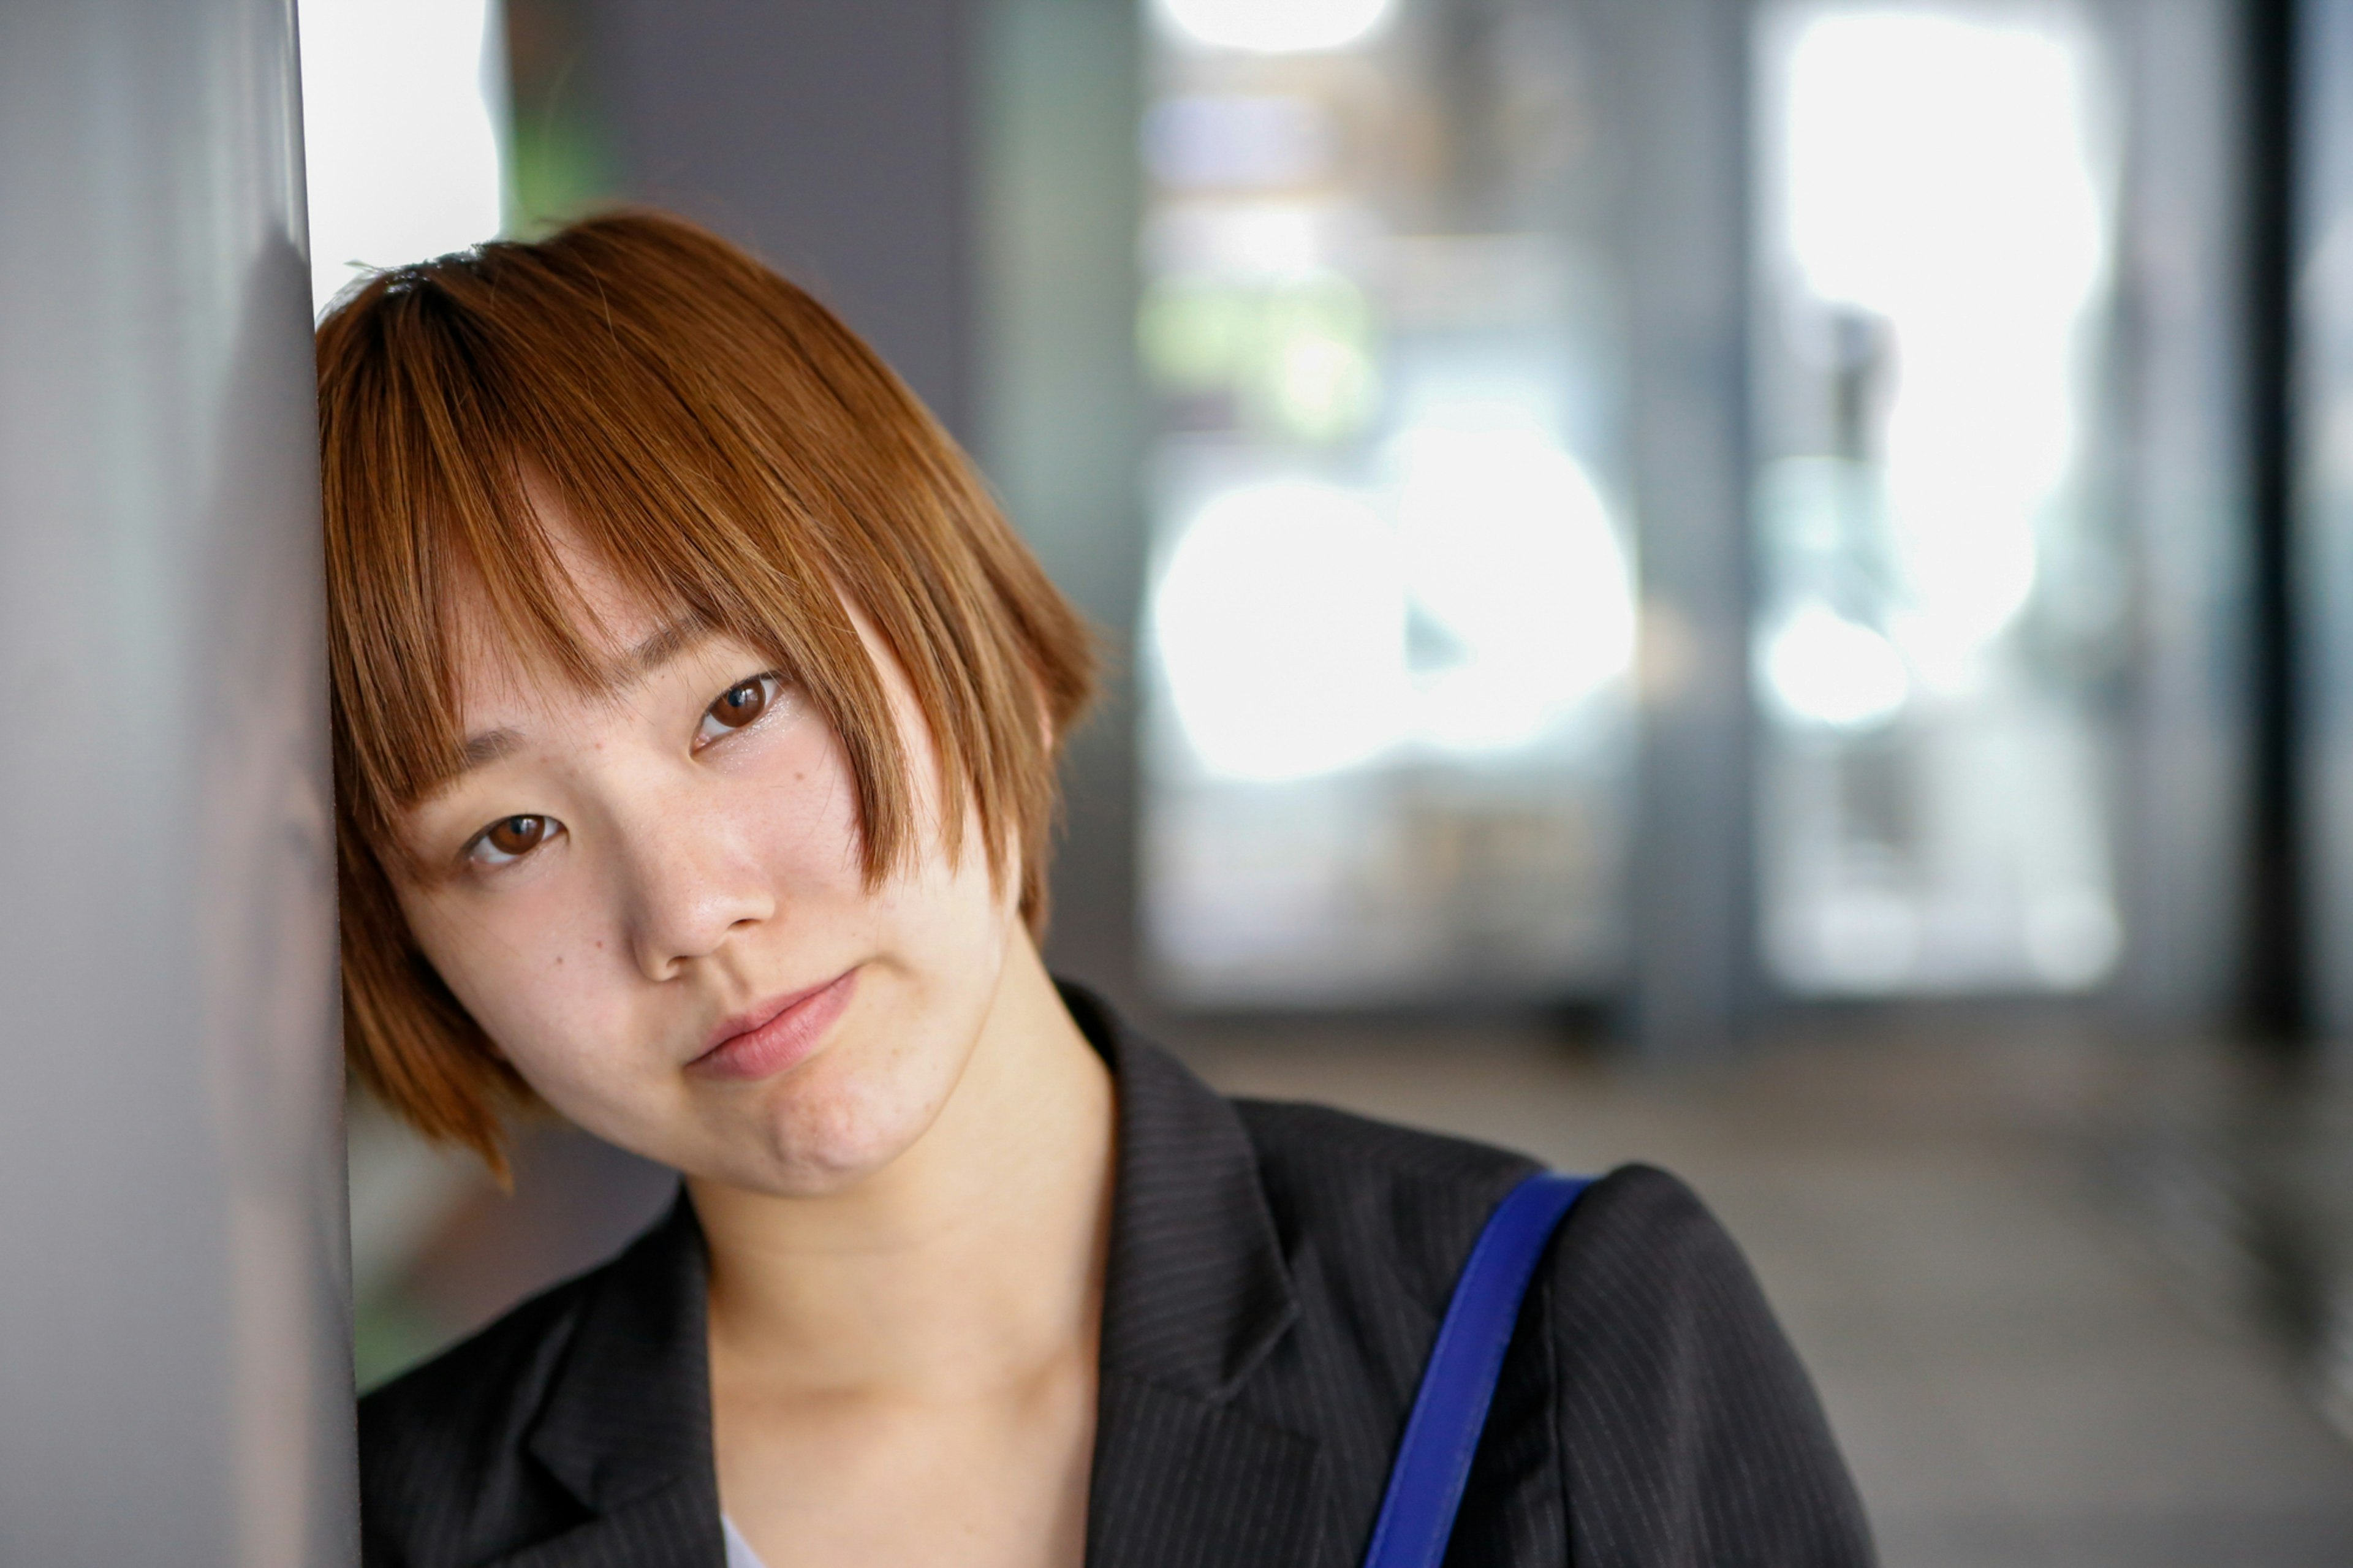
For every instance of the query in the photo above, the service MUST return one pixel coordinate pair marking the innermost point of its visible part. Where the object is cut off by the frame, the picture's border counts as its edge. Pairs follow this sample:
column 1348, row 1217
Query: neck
column 974, row 1261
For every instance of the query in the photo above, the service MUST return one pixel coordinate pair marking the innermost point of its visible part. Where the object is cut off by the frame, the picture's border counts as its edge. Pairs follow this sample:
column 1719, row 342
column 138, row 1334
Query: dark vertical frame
column 2276, row 989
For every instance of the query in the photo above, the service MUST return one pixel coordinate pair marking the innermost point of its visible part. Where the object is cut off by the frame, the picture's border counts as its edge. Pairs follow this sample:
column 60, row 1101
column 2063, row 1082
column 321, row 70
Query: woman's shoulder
column 1647, row 1360
column 504, row 1439
column 1360, row 1195
column 1640, row 1270
column 1417, row 1199
column 442, row 1446
column 457, row 1397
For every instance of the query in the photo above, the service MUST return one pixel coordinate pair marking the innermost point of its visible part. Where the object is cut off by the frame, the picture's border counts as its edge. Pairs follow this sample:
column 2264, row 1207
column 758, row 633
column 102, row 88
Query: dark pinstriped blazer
column 1276, row 1276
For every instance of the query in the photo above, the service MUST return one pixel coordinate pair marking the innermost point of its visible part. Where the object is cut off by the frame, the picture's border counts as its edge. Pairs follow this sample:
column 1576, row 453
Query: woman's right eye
column 511, row 838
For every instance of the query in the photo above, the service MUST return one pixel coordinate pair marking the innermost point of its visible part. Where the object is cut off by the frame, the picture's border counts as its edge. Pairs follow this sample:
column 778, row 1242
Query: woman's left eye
column 737, row 707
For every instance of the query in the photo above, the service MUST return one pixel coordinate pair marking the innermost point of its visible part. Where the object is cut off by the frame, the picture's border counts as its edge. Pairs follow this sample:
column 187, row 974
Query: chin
column 822, row 1138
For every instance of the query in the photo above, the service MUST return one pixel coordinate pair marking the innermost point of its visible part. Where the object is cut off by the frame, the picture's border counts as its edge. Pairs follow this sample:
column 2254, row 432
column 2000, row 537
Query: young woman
column 696, row 719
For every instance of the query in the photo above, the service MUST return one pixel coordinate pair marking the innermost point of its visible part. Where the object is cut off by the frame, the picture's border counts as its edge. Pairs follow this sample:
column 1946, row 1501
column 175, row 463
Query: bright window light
column 1281, row 622
column 1937, row 159
column 404, row 106
column 1941, row 177
column 1274, row 26
column 2073, row 936
column 1820, row 668
column 1507, row 546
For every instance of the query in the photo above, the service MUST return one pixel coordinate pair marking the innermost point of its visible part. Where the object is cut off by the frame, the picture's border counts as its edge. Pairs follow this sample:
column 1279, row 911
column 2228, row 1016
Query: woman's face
column 653, row 903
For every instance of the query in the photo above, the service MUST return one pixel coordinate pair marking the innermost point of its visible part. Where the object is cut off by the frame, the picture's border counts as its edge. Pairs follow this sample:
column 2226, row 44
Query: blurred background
column 1761, row 586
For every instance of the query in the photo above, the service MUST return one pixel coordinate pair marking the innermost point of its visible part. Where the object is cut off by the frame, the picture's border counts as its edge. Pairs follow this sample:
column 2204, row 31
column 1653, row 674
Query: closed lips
column 777, row 1033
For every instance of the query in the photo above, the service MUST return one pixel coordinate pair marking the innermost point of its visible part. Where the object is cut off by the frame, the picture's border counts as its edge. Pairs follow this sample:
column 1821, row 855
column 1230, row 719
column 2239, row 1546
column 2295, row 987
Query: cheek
column 798, row 817
column 535, row 972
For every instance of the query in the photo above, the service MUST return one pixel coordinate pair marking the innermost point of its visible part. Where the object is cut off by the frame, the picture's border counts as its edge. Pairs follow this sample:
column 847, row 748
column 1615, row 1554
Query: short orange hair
column 737, row 457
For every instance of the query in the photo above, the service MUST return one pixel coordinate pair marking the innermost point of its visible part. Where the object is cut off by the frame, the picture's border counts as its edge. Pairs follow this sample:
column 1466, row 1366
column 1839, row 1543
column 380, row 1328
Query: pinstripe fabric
column 573, row 1433
column 1276, row 1276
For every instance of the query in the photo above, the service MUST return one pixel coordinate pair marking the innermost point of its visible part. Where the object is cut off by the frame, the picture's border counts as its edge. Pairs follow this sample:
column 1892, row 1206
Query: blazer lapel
column 626, row 1424
column 1195, row 1295
column 1183, row 1482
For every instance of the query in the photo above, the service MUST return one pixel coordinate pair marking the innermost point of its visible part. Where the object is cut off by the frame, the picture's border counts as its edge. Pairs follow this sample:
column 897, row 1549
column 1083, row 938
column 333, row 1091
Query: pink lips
column 777, row 1033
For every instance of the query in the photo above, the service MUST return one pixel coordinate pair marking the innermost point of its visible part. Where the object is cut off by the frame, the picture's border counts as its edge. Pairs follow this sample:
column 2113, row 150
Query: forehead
column 608, row 632
column 615, row 635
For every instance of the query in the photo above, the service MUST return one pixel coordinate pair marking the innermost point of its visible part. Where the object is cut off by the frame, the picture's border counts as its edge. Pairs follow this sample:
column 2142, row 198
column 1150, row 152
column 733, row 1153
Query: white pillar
column 174, row 1371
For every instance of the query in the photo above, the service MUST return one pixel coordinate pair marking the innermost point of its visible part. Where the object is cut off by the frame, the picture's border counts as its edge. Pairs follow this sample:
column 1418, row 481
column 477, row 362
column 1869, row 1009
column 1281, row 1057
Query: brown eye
column 516, row 836
column 739, row 705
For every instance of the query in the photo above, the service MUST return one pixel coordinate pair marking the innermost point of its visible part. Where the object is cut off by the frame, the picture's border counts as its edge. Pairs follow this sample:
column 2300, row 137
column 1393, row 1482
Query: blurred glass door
column 1390, row 615
column 1942, row 590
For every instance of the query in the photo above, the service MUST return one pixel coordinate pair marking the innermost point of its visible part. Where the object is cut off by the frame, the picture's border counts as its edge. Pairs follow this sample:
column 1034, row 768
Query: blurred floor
column 2007, row 1256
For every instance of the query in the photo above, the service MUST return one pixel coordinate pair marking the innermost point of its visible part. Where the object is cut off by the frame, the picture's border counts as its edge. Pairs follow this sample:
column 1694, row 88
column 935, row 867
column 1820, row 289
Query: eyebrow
column 641, row 660
column 656, row 652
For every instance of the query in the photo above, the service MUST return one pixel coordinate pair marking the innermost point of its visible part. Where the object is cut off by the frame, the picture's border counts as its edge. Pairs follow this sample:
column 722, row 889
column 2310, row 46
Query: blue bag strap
column 1433, row 1462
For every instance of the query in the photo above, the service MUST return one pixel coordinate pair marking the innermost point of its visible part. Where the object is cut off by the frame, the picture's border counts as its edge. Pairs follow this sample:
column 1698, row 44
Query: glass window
column 1390, row 614
column 1941, row 593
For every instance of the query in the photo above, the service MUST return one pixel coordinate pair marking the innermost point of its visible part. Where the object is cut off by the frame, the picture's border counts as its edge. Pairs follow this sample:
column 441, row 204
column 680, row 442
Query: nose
column 692, row 881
